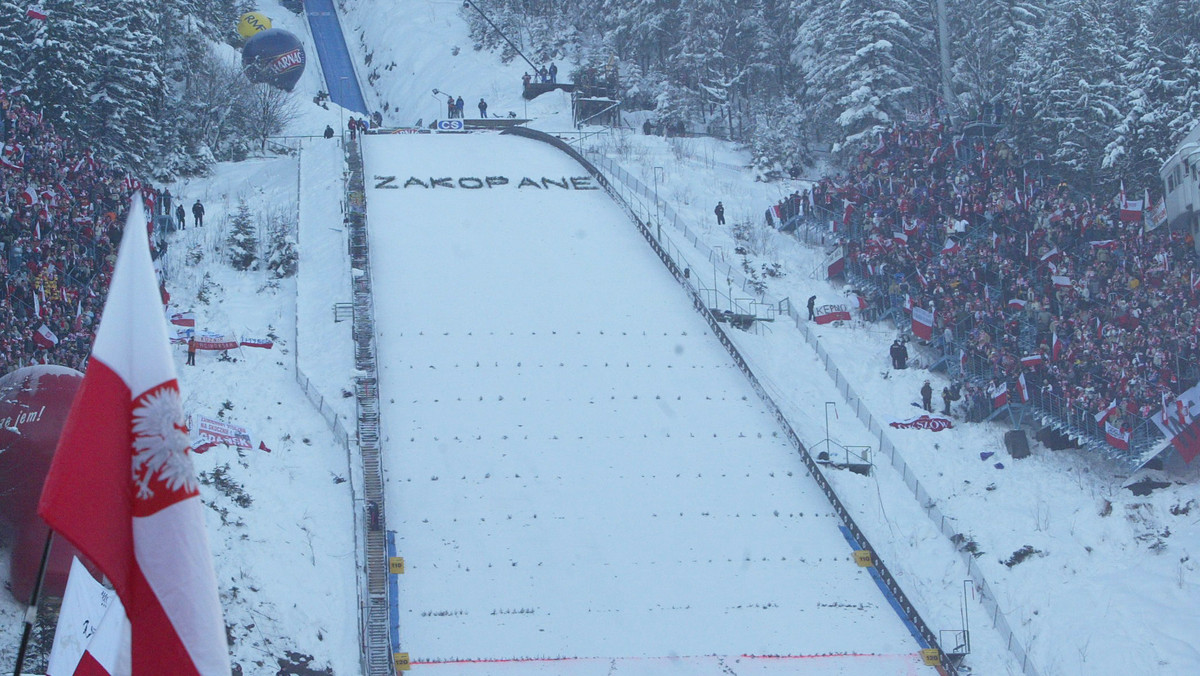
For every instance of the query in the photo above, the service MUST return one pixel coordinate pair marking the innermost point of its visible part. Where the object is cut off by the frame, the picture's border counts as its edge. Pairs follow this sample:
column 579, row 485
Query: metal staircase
column 375, row 623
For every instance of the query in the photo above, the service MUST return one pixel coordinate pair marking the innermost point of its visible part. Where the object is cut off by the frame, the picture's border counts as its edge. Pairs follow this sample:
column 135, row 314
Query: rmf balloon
column 275, row 57
column 252, row 23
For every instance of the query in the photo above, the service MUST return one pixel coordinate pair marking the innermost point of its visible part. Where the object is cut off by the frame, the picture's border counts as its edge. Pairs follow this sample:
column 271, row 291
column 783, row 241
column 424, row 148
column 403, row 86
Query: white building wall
column 1180, row 176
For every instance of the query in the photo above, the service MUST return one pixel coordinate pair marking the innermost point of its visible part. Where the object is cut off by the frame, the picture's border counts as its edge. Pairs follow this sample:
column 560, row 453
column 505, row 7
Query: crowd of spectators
column 1023, row 274
column 59, row 233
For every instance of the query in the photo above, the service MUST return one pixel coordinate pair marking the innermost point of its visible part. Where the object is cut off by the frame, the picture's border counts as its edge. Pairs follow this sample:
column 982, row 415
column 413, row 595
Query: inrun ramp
column 341, row 81
column 578, row 476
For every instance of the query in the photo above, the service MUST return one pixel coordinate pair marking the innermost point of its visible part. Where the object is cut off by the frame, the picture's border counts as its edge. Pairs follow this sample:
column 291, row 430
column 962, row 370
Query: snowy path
column 575, row 469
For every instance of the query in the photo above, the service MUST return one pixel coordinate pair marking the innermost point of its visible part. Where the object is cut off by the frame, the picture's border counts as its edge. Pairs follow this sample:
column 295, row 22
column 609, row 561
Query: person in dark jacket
column 927, row 397
column 328, row 131
column 812, row 304
column 947, row 397
column 181, row 216
column 458, row 107
column 720, row 212
column 198, row 213
column 899, row 355
column 482, row 108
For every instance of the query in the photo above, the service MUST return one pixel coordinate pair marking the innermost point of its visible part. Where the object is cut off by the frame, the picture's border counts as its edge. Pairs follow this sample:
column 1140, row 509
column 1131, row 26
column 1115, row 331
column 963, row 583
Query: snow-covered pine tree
column 986, row 38
column 62, row 61
column 16, row 41
column 125, row 116
column 889, row 66
column 283, row 255
column 242, row 242
column 1074, row 96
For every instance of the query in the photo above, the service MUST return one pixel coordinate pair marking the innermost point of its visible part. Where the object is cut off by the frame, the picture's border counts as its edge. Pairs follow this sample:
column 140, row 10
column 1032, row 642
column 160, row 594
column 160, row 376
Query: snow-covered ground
column 1109, row 587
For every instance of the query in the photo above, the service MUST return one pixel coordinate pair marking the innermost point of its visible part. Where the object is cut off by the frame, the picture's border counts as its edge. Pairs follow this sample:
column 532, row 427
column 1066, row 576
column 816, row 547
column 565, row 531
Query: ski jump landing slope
column 578, row 477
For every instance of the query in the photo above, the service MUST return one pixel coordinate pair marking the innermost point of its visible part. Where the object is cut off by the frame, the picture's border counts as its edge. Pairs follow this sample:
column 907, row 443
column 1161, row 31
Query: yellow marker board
column 396, row 565
column 932, row 657
column 863, row 558
column 401, row 660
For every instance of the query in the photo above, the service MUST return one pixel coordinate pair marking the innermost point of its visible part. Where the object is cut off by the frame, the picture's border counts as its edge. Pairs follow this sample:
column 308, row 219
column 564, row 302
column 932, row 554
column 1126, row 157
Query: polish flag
column 121, row 487
column 1061, row 281
column 1056, row 347
column 36, row 12
column 1104, row 415
column 44, row 337
column 950, row 247
column 1022, row 389
column 1016, row 304
column 1117, row 437
column 92, row 638
column 999, row 395
column 900, row 238
column 922, row 323
column 1031, row 360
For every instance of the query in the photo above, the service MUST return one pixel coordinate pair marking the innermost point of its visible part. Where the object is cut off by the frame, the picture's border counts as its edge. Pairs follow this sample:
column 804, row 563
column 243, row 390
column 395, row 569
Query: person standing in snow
column 720, row 212
column 450, row 106
column 482, row 108
column 458, row 107
column 553, row 73
column 927, row 397
column 947, row 397
column 899, row 355
column 198, row 213
column 812, row 303
column 191, row 351
column 328, row 131
column 181, row 216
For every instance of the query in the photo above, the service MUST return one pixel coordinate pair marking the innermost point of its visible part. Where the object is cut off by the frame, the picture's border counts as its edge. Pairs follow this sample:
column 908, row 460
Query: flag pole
column 31, row 611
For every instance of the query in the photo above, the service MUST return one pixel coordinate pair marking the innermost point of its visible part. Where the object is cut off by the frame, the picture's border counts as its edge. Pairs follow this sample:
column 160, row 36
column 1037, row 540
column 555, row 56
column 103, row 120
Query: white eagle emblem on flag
column 160, row 443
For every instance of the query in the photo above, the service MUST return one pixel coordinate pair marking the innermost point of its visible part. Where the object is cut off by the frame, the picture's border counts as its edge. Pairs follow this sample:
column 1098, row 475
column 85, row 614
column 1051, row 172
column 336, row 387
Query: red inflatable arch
column 34, row 402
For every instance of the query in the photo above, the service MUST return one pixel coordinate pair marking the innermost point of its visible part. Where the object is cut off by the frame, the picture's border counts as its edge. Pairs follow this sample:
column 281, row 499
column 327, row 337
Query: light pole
column 657, row 221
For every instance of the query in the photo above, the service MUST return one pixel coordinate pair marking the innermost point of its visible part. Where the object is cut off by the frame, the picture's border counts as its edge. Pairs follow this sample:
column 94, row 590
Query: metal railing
column 633, row 195
column 630, row 197
column 377, row 620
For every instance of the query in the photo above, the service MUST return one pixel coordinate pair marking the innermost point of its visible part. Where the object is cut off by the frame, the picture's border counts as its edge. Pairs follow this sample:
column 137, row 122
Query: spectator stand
column 1010, row 238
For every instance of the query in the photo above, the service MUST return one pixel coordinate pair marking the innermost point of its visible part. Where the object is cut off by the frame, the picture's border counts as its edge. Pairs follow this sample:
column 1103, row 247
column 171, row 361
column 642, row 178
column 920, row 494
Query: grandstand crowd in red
column 59, row 233
column 1027, row 275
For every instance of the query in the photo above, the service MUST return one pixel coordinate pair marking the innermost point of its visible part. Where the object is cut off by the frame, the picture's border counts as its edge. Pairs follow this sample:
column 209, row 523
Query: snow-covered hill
column 1107, row 586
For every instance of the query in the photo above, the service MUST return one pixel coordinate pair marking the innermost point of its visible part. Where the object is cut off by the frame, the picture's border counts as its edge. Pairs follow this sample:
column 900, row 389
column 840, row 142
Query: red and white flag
column 1022, row 389
column 1056, row 347
column 184, row 318
column 1105, row 414
column 922, row 323
column 1061, row 281
column 122, row 488
column 36, row 12
column 1131, row 210
column 44, row 337
column 999, row 395
column 1031, row 360
column 899, row 237
column 1117, row 437
column 950, row 247
column 1016, row 304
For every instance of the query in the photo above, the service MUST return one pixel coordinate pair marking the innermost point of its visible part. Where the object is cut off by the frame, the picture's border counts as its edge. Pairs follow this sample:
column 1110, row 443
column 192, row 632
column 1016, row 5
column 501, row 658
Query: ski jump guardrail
column 349, row 445
column 377, row 620
column 638, row 194
column 926, row 637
